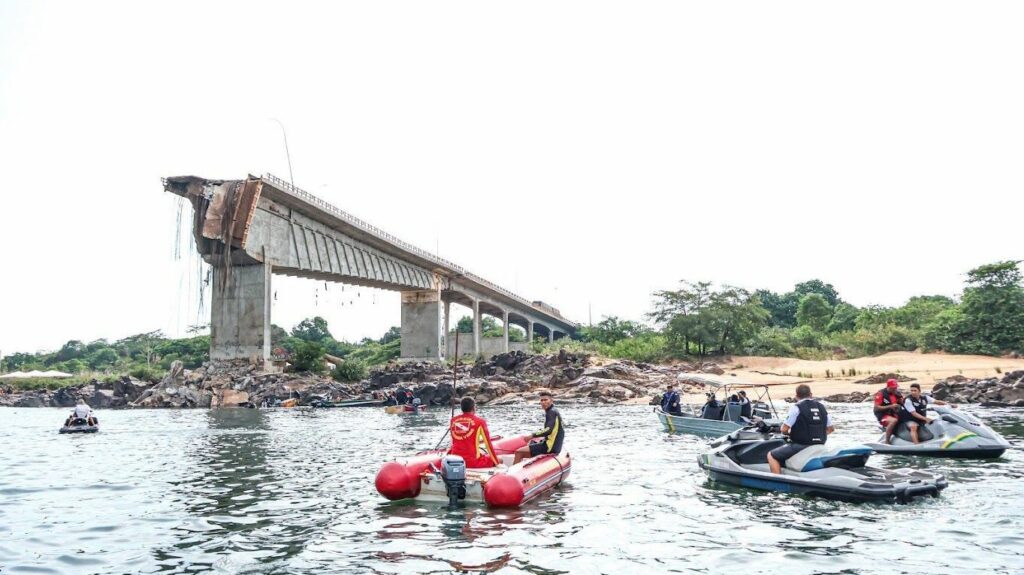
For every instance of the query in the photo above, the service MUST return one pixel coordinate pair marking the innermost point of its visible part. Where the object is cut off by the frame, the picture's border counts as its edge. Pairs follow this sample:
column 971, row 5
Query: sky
column 581, row 153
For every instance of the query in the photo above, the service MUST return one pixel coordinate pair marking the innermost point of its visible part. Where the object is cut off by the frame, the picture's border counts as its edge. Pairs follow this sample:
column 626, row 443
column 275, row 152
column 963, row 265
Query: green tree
column 921, row 310
column 312, row 329
column 844, row 318
column 393, row 334
column 819, row 287
column 308, row 357
column 104, row 358
column 611, row 329
column 814, row 311
column 781, row 307
column 73, row 349
column 993, row 308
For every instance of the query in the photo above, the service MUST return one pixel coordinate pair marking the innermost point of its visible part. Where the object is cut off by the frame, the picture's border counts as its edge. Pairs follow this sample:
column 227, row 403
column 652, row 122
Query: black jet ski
column 741, row 458
column 952, row 434
column 79, row 425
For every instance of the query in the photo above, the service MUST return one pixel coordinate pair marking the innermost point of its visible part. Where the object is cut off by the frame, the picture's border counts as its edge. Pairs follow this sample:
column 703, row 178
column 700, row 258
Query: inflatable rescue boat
column 437, row 476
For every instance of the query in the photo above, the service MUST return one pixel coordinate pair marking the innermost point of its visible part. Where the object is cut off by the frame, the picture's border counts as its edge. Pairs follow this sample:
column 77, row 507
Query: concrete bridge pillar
column 476, row 328
column 447, row 327
column 421, row 325
column 529, row 332
column 504, row 347
column 551, row 335
column 240, row 313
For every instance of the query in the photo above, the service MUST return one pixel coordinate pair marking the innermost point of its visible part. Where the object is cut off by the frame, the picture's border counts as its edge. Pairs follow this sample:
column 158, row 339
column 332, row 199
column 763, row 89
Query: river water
column 290, row 491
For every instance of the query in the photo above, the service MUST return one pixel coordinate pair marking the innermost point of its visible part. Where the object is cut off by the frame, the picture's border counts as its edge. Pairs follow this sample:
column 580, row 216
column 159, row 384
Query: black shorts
column 781, row 454
column 538, row 448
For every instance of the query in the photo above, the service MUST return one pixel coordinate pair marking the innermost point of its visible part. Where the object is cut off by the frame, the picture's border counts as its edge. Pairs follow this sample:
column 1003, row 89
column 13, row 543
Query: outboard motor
column 453, row 473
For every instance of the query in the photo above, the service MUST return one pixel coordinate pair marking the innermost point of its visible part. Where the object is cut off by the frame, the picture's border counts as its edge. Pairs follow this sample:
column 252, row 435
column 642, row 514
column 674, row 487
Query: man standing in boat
column 553, row 432
column 670, row 401
column 471, row 439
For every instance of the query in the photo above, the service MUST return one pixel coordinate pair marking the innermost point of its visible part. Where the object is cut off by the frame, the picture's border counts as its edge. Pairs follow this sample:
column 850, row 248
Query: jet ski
column 953, row 433
column 79, row 425
column 741, row 458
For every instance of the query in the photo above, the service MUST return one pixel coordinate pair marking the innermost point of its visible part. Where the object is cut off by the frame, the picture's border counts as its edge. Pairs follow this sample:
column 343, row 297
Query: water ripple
column 243, row 491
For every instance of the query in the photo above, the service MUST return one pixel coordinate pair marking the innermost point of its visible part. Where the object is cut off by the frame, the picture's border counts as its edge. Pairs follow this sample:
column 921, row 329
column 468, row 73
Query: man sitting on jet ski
column 888, row 403
column 807, row 423
column 82, row 411
column 915, row 409
column 471, row 439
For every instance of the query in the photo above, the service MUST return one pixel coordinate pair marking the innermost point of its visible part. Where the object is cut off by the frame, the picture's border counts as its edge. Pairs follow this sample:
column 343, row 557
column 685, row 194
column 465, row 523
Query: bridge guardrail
column 374, row 230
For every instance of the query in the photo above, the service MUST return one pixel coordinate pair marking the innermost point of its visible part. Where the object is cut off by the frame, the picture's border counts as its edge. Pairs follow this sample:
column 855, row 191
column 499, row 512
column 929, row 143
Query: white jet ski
column 741, row 458
column 953, row 433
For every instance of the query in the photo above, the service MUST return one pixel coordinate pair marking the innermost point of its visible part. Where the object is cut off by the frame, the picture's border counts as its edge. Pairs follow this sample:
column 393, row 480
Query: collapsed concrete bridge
column 253, row 228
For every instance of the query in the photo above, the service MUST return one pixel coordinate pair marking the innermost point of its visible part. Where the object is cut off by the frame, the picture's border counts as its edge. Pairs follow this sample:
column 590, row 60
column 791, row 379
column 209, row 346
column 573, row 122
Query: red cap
column 891, row 384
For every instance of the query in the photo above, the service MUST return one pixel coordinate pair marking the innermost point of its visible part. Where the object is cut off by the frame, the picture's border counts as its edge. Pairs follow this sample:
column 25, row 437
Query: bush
column 146, row 373
column 309, row 357
column 350, row 370
column 771, row 341
column 646, row 348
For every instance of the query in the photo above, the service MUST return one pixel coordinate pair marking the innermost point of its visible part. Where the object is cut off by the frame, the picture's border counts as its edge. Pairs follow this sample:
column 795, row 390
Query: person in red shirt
column 888, row 403
column 471, row 439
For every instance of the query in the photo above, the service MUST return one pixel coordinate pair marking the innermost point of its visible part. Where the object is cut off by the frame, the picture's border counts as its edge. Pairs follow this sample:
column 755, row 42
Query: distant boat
column 723, row 418
column 347, row 403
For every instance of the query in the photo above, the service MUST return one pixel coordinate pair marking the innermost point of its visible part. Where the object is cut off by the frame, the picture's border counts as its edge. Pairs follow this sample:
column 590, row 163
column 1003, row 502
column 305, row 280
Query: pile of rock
column 881, row 378
column 97, row 394
column 854, row 397
column 993, row 391
column 239, row 384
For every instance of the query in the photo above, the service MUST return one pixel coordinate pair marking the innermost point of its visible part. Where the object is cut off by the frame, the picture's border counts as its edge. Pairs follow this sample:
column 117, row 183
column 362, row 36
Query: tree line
column 813, row 322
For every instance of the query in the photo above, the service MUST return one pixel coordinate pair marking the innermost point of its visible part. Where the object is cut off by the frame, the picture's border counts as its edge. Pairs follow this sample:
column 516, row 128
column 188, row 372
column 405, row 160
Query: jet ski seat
column 923, row 433
column 819, row 457
column 755, row 453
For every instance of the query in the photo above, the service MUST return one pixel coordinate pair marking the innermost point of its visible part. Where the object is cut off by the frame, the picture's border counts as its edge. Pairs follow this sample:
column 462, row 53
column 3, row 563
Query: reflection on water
column 286, row 491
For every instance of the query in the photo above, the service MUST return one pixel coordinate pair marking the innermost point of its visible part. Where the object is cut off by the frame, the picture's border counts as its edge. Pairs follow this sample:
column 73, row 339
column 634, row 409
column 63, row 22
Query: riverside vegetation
column 810, row 322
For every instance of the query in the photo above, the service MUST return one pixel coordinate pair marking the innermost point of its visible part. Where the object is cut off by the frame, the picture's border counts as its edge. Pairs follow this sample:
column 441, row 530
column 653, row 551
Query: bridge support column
column 529, row 334
column 476, row 328
column 240, row 314
column 421, row 325
column 447, row 328
column 504, row 347
column 551, row 335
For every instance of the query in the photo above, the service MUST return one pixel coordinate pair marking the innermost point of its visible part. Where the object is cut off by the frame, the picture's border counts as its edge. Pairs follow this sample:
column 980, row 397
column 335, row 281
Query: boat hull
column 696, row 425
column 501, row 486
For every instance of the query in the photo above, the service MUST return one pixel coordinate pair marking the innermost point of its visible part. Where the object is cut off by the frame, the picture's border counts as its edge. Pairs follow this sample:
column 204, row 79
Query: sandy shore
column 832, row 376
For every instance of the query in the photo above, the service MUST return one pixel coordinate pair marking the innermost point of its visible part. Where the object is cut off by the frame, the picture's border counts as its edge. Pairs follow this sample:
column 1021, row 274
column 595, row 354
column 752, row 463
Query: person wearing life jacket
column 746, row 409
column 670, row 401
column 888, row 403
column 807, row 423
column 471, row 439
column 915, row 410
column 553, row 433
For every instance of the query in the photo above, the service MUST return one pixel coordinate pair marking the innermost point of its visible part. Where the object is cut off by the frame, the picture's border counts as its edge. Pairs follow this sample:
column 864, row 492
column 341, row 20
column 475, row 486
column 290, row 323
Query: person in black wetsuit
column 553, row 432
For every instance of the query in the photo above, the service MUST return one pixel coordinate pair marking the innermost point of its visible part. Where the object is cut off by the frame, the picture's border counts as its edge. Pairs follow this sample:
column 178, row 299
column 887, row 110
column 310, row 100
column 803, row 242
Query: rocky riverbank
column 503, row 379
column 1007, row 391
